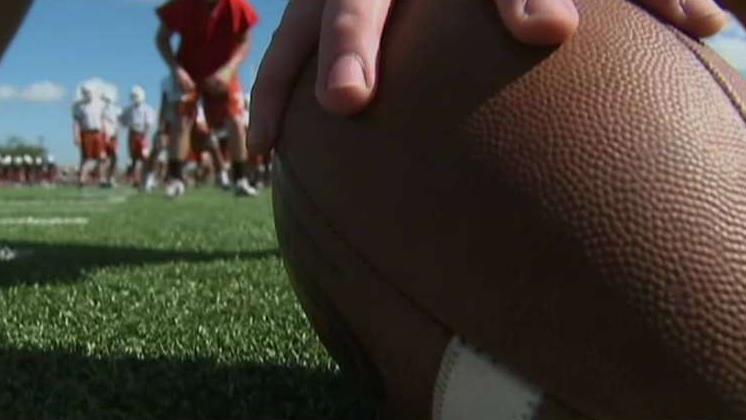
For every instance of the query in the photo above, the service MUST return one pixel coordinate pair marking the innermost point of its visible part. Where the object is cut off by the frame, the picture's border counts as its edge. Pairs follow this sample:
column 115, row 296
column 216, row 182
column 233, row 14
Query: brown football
column 576, row 214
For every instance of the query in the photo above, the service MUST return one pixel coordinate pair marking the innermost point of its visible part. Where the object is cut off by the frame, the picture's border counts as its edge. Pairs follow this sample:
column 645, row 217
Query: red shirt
column 209, row 36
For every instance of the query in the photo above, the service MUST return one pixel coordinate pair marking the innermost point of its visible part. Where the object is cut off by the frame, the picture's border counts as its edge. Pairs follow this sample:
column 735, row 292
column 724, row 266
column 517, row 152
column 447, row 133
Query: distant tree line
column 19, row 146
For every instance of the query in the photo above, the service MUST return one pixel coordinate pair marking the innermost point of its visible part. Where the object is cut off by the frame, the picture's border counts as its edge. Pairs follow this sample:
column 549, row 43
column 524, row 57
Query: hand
column 220, row 82
column 184, row 80
column 348, row 34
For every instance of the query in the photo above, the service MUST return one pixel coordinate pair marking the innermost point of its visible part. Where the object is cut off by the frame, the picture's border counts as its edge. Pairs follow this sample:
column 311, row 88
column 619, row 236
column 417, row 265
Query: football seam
column 717, row 76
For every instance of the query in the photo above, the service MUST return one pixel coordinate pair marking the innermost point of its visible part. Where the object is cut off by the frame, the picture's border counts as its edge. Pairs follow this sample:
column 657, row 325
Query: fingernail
column 547, row 7
column 695, row 9
column 347, row 72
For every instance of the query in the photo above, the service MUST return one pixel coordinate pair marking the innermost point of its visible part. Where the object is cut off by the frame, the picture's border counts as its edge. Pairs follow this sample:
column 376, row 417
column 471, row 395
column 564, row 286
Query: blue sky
column 65, row 42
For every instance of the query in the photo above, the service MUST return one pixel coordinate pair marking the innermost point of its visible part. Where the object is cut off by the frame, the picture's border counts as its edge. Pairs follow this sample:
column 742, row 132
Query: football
column 517, row 232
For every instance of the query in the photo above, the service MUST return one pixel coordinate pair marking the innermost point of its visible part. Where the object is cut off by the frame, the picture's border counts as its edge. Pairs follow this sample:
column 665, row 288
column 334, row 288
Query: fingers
column 539, row 22
column 700, row 18
column 292, row 43
column 348, row 53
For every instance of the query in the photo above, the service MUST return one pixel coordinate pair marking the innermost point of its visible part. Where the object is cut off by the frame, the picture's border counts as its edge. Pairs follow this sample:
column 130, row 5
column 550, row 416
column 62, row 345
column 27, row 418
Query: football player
column 139, row 119
column 215, row 40
column 87, row 132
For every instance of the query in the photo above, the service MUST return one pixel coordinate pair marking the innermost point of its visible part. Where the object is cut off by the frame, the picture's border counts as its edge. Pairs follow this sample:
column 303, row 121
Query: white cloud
column 99, row 86
column 43, row 92
column 7, row 92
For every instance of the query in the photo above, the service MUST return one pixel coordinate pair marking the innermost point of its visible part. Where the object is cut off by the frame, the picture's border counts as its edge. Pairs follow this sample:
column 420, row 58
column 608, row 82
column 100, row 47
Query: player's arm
column 230, row 69
column 76, row 133
column 163, row 42
column 222, row 78
column 162, row 113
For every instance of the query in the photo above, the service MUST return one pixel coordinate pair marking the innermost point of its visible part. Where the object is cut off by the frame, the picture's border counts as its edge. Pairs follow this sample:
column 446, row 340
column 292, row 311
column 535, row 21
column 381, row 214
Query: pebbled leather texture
column 579, row 214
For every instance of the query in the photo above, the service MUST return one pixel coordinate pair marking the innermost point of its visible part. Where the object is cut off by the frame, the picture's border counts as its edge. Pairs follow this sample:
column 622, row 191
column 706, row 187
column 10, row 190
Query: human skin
column 347, row 35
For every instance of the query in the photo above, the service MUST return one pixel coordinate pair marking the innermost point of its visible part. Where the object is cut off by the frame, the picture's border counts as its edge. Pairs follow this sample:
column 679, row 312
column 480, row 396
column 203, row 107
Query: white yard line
column 43, row 221
column 33, row 211
column 65, row 211
column 103, row 201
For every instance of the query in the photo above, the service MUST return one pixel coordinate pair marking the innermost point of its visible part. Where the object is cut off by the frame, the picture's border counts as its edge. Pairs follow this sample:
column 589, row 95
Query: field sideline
column 115, row 305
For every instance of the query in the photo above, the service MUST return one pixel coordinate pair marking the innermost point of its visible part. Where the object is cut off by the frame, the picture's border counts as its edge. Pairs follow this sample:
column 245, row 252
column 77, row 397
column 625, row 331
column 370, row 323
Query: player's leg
column 81, row 166
column 218, row 163
column 227, row 111
column 178, row 147
column 150, row 167
column 112, row 152
column 129, row 172
column 240, row 166
column 89, row 155
column 139, row 156
column 212, row 146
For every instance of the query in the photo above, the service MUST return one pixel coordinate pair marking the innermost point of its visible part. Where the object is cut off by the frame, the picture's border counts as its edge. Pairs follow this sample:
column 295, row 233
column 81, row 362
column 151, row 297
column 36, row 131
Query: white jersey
column 138, row 118
column 88, row 115
column 111, row 115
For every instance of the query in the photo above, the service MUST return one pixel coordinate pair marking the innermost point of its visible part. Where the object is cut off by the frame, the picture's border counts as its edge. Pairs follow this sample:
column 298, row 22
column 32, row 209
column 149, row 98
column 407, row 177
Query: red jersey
column 209, row 34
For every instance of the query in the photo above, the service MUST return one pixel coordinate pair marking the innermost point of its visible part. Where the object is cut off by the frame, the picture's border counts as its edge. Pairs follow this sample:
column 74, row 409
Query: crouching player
column 87, row 133
column 201, row 138
column 215, row 40
column 139, row 119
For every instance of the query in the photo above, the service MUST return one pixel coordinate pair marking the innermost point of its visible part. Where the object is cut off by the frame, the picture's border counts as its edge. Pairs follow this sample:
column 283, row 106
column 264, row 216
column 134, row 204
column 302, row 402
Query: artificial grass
column 156, row 309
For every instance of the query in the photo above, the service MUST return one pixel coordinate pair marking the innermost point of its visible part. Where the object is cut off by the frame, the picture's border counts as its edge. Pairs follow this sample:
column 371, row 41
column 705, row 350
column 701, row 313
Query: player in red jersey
column 215, row 40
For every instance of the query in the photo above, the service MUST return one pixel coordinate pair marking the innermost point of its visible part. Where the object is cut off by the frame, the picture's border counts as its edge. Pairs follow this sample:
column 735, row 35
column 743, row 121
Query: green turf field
column 115, row 305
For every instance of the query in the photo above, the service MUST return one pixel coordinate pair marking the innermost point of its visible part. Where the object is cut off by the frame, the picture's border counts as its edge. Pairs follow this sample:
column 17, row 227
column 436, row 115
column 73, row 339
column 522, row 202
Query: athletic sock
column 175, row 169
column 239, row 170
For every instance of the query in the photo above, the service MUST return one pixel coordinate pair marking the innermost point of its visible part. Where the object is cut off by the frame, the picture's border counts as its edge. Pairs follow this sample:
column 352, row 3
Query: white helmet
column 18, row 160
column 28, row 159
column 107, row 96
column 86, row 92
column 138, row 94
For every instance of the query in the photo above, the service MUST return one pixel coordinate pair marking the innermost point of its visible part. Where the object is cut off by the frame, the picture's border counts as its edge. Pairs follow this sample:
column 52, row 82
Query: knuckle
column 346, row 25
